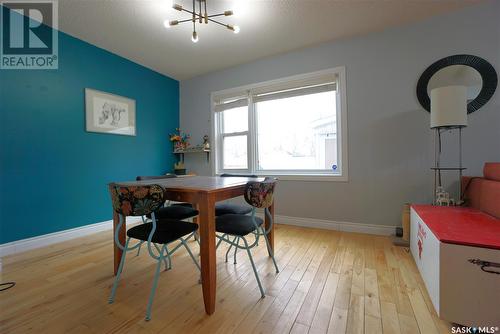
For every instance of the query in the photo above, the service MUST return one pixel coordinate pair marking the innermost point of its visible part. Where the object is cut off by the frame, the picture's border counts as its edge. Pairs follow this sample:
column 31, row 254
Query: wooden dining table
column 203, row 192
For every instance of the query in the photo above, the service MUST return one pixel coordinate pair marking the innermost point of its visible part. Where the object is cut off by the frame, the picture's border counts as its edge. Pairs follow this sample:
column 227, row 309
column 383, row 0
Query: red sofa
column 457, row 251
column 483, row 193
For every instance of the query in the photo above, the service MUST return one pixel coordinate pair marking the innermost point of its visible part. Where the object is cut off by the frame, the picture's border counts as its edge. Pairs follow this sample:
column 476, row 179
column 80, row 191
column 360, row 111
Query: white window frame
column 220, row 140
column 252, row 154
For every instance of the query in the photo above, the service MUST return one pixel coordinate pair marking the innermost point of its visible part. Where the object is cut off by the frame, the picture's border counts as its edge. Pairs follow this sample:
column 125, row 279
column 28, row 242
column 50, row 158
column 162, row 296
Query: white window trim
column 298, row 176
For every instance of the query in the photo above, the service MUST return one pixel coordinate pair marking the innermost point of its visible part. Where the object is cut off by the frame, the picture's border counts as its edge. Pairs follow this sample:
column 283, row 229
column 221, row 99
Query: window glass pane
column 235, row 120
column 235, row 152
column 298, row 133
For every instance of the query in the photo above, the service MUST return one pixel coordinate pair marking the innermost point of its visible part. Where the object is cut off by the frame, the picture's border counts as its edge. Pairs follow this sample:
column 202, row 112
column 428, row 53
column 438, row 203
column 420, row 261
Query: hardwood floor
column 329, row 282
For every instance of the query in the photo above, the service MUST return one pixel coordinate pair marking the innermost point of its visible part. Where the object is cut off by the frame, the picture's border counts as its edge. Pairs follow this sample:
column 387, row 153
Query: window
column 291, row 127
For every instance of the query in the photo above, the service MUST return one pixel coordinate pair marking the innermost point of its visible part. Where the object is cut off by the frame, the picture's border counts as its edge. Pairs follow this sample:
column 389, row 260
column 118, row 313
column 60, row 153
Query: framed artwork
column 109, row 113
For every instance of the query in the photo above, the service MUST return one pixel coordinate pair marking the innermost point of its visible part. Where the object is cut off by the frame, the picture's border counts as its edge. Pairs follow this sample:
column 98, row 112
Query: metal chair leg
column 230, row 246
column 168, row 265
column 253, row 267
column 235, row 250
column 169, row 259
column 139, row 249
column 144, row 220
column 118, row 274
column 155, row 284
column 269, row 250
column 191, row 254
column 221, row 238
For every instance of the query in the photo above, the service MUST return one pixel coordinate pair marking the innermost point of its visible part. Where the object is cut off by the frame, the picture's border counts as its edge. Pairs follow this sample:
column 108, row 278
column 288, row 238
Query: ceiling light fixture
column 199, row 15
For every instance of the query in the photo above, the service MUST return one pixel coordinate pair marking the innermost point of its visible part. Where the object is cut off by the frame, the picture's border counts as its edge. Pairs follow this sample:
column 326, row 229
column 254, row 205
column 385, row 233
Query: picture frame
column 109, row 113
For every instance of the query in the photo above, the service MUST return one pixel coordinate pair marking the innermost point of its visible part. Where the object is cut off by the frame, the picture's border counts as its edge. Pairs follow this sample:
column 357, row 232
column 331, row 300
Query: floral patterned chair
column 239, row 226
column 141, row 201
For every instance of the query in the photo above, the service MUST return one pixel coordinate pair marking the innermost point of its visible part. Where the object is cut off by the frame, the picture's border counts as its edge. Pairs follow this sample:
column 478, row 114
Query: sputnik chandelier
column 200, row 16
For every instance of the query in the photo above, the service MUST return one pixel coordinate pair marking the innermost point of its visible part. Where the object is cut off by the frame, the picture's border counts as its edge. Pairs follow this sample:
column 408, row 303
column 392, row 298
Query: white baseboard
column 335, row 225
column 24, row 245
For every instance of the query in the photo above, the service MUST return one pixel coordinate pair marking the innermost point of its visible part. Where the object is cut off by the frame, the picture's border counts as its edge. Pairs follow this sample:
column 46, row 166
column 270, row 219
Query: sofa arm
column 471, row 191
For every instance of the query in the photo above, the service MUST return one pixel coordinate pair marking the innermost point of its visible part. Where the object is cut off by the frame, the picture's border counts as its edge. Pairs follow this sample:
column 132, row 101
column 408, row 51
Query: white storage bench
column 457, row 251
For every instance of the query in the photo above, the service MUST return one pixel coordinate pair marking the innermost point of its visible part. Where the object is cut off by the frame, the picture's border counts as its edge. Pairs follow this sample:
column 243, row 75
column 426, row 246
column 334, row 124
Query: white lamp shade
column 449, row 106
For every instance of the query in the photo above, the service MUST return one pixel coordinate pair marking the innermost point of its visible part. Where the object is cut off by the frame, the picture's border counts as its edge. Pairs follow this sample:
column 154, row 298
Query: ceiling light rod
column 226, row 13
column 200, row 17
column 176, row 22
column 228, row 26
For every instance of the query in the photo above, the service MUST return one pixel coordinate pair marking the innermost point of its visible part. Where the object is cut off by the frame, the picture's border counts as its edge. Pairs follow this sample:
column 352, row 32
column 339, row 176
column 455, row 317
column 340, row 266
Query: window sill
column 306, row 177
column 309, row 177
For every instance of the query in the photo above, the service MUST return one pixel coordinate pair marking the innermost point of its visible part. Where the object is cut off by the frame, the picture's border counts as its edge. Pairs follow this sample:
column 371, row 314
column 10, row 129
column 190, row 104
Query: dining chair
column 224, row 208
column 260, row 196
column 180, row 211
column 140, row 201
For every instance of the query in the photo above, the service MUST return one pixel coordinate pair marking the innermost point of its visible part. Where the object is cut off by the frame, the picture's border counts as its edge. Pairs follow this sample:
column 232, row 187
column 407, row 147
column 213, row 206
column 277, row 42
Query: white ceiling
column 134, row 28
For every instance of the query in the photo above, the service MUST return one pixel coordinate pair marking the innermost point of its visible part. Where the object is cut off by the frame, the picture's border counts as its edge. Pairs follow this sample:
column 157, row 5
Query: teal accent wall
column 54, row 174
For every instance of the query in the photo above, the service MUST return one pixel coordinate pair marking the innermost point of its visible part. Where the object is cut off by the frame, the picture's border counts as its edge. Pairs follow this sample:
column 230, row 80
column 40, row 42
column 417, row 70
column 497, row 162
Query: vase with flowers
column 180, row 139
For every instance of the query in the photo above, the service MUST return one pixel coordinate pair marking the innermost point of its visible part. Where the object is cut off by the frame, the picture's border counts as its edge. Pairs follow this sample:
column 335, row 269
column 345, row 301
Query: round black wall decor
column 485, row 69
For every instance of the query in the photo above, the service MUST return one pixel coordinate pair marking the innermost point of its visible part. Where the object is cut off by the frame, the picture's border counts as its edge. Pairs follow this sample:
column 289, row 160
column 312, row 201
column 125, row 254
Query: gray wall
column 389, row 140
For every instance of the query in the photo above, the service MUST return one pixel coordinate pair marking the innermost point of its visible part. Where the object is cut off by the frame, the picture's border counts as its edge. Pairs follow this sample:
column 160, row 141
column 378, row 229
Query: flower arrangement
column 180, row 139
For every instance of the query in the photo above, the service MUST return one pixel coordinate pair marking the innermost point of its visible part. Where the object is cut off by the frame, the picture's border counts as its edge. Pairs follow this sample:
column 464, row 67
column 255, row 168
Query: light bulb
column 177, row 7
column 194, row 38
column 234, row 29
column 166, row 24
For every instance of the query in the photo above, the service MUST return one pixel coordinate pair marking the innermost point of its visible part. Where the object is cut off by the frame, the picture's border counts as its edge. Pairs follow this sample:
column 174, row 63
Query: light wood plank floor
column 330, row 282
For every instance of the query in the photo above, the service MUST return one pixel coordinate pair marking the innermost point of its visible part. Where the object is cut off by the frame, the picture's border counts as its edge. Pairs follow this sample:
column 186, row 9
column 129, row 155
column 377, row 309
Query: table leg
column 270, row 236
column 121, row 236
column 207, row 250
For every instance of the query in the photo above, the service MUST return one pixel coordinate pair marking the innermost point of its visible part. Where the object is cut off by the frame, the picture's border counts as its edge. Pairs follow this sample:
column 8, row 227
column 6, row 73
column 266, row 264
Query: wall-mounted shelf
column 192, row 150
